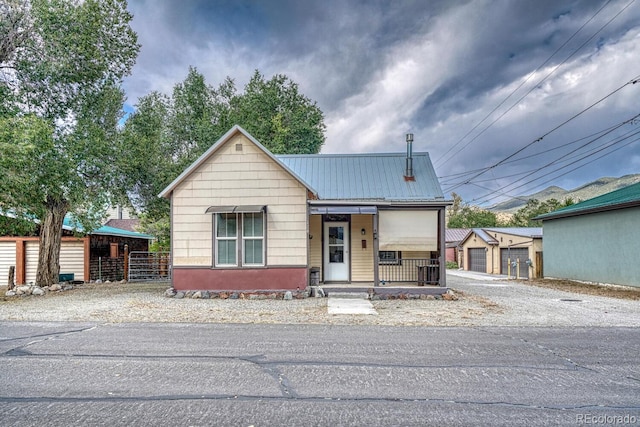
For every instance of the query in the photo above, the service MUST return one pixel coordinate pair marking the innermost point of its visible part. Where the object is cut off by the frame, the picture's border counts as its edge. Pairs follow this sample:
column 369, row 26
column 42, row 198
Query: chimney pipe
column 408, row 175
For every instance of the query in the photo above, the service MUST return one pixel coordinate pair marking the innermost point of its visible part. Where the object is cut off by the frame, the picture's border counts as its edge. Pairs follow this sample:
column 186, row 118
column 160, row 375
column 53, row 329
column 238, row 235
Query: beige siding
column 71, row 260
column 315, row 244
column 248, row 177
column 361, row 259
column 7, row 259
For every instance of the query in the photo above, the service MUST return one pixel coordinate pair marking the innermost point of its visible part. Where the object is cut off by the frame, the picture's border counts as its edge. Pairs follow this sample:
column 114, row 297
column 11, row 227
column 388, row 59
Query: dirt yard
column 612, row 291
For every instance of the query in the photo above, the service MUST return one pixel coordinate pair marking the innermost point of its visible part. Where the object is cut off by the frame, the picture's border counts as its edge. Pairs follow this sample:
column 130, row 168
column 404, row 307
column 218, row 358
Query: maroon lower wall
column 191, row 279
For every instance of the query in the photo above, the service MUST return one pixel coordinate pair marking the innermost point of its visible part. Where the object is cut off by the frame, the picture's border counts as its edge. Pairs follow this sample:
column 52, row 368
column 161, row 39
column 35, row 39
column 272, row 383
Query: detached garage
column 516, row 252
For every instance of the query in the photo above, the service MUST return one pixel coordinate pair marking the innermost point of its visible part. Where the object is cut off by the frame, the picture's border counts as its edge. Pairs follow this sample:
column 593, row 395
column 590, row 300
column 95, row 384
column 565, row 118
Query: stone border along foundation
column 313, row 292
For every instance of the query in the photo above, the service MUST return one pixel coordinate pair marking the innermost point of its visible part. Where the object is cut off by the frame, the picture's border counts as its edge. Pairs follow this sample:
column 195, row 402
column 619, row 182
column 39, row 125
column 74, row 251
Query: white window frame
column 240, row 239
column 217, row 239
column 253, row 238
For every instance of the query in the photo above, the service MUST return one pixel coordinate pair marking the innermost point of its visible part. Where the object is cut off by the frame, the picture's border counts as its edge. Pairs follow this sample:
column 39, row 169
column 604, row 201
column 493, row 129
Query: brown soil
column 613, row 291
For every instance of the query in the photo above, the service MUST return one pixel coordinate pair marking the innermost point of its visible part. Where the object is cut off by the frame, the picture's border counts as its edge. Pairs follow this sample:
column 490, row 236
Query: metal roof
column 485, row 233
column 378, row 176
column 70, row 225
column 622, row 198
column 532, row 232
column 456, row 234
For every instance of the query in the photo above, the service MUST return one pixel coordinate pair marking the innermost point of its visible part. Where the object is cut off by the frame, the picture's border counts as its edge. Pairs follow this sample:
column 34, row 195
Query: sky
column 508, row 97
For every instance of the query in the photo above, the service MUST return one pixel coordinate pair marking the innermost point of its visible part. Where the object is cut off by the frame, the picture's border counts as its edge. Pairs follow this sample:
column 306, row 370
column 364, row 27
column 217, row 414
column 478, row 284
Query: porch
column 403, row 276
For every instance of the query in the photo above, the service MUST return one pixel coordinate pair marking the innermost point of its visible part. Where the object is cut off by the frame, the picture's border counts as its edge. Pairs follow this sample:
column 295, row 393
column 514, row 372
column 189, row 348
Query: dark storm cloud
column 436, row 68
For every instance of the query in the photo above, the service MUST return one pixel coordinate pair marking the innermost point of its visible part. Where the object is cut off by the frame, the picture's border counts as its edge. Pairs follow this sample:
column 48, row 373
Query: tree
column 56, row 140
column 471, row 217
column 278, row 116
column 524, row 216
column 166, row 134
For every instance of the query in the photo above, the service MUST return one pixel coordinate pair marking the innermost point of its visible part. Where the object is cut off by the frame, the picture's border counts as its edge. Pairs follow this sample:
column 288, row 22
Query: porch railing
column 422, row 271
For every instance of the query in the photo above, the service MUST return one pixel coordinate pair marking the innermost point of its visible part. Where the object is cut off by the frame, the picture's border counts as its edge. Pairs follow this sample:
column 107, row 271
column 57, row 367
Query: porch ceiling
column 343, row 210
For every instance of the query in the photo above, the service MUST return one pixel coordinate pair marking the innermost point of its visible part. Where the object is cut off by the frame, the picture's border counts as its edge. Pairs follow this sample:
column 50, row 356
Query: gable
column 246, row 142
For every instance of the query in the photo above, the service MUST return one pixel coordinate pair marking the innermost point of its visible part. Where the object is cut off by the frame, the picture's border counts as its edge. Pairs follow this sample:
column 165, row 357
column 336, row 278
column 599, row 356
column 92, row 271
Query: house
column 516, row 252
column 100, row 254
column 454, row 237
column 243, row 218
column 596, row 240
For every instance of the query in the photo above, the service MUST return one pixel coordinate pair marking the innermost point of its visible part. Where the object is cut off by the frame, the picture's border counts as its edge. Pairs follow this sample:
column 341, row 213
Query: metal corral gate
column 149, row 267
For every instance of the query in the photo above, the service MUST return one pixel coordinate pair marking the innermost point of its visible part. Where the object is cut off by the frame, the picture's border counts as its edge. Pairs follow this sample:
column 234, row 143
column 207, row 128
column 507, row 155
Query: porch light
column 363, row 231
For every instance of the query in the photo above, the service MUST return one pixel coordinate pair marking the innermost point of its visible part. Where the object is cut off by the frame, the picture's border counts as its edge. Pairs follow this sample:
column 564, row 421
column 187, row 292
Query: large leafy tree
column 471, row 217
column 524, row 216
column 166, row 134
column 279, row 116
column 61, row 105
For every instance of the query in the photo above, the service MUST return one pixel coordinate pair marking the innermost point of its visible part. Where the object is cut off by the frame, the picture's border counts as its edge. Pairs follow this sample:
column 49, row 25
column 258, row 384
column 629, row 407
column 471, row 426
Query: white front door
column 336, row 251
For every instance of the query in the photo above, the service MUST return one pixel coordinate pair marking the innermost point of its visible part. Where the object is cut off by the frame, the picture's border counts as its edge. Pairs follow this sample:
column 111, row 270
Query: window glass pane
column 336, row 254
column 227, row 252
column 253, row 224
column 388, row 255
column 227, row 225
column 253, row 251
column 336, row 235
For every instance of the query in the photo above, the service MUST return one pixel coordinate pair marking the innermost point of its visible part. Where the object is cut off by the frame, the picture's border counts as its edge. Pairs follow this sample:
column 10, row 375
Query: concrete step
column 346, row 295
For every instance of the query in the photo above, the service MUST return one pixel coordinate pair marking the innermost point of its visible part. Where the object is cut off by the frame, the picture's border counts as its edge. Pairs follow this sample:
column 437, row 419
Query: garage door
column 7, row 259
column 71, row 260
column 515, row 253
column 31, row 261
column 478, row 260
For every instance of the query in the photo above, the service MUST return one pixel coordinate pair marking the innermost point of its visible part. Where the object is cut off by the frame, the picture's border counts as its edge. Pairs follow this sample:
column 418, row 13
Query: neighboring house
column 596, row 240
column 454, row 237
column 97, row 255
column 495, row 250
column 245, row 219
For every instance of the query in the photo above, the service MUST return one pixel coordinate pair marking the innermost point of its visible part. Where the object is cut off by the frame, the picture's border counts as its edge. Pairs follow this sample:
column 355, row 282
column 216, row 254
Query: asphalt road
column 314, row 375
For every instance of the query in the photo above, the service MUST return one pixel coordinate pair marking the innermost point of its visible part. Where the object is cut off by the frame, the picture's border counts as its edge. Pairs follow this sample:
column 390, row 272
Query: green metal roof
column 70, row 225
column 374, row 176
column 619, row 199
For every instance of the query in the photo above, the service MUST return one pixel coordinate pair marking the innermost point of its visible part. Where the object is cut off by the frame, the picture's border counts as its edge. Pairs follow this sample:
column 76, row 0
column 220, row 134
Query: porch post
column 442, row 250
column 376, row 257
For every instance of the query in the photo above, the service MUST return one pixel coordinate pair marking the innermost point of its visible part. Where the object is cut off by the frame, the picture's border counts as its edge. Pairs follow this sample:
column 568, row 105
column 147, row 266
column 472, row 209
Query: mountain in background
column 585, row 192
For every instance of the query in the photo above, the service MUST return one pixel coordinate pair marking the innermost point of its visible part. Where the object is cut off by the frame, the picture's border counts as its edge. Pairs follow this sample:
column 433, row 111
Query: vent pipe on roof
column 408, row 174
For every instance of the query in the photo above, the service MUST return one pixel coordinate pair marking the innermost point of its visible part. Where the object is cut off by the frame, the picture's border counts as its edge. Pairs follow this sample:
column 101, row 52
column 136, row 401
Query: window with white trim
column 239, row 237
column 226, row 239
column 253, row 238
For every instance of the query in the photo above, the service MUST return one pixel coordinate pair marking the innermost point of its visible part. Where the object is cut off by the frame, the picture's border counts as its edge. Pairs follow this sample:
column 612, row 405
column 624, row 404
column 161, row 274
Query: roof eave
column 166, row 193
column 597, row 209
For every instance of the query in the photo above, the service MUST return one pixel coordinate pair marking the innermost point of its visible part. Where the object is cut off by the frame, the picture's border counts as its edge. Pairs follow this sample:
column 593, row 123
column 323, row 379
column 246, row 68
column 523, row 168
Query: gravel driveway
column 483, row 301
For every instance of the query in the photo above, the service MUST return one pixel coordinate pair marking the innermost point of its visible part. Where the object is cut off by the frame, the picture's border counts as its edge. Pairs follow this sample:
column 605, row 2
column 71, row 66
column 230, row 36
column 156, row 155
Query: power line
column 633, row 81
column 593, row 152
column 443, row 178
column 574, row 150
column 538, row 84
